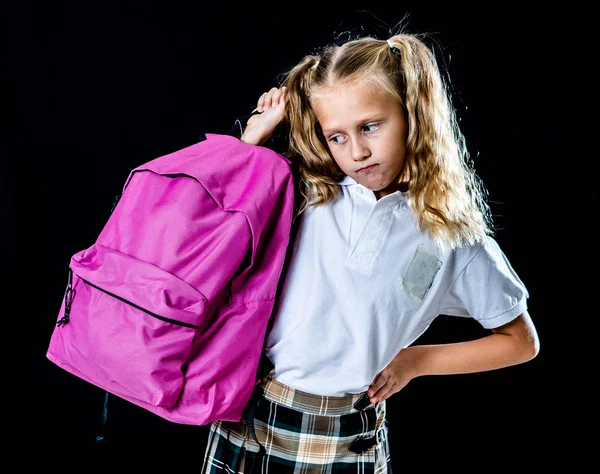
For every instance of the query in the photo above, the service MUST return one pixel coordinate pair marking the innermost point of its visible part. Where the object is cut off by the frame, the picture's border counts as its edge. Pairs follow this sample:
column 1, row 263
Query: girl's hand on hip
column 271, row 106
column 394, row 377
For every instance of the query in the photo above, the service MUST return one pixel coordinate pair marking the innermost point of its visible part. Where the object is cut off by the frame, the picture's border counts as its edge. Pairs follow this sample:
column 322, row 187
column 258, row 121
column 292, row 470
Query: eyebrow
column 327, row 131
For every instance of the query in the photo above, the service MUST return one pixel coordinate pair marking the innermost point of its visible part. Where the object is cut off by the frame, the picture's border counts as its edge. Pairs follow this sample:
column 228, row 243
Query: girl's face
column 366, row 134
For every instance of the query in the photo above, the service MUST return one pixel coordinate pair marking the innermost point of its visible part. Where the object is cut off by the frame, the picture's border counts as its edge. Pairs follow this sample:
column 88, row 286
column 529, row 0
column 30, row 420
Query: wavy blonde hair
column 444, row 190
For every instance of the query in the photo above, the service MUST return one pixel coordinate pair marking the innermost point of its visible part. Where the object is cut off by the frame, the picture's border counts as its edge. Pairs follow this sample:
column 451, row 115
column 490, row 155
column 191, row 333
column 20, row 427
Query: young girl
column 393, row 230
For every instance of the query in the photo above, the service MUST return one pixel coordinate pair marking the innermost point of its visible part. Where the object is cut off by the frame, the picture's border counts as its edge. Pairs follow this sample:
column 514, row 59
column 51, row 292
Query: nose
column 360, row 151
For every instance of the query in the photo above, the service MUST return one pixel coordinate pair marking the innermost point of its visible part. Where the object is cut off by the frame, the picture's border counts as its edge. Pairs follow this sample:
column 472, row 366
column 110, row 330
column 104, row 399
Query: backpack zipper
column 69, row 300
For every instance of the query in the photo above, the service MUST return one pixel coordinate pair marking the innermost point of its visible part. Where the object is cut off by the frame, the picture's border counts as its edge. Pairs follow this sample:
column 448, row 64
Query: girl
column 393, row 230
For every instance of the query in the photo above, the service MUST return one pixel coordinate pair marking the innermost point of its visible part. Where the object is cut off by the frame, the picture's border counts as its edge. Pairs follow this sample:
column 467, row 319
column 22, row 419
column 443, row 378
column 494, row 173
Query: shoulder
column 473, row 258
column 486, row 246
column 485, row 261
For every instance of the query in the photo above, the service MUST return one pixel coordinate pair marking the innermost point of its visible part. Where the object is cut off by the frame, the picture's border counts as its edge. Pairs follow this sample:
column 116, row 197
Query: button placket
column 372, row 235
column 360, row 201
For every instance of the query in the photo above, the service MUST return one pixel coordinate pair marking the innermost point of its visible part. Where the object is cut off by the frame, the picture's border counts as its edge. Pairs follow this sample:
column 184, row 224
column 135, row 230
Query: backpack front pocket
column 127, row 326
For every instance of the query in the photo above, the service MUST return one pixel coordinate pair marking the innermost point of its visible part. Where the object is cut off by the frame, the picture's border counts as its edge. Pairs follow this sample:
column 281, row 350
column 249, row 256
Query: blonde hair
column 444, row 190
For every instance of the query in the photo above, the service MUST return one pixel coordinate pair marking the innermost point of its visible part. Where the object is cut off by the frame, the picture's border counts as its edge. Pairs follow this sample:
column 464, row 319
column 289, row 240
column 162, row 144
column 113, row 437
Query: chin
column 378, row 187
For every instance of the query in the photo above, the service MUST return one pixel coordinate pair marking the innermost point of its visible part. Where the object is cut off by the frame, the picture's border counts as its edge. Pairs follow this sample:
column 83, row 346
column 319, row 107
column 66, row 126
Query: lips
column 366, row 169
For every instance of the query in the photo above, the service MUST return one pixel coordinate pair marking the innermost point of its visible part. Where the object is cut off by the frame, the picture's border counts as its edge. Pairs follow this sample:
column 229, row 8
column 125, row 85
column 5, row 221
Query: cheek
column 339, row 159
column 400, row 157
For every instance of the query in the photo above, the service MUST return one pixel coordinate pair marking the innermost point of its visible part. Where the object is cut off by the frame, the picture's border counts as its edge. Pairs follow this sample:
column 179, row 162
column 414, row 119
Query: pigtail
column 446, row 194
column 318, row 171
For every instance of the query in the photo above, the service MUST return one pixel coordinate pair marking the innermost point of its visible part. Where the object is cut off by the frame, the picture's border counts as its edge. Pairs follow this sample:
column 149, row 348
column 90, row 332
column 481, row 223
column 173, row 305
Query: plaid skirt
column 302, row 434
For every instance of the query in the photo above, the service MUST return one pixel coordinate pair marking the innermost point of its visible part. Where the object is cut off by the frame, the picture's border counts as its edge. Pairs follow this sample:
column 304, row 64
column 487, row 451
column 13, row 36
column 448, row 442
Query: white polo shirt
column 363, row 282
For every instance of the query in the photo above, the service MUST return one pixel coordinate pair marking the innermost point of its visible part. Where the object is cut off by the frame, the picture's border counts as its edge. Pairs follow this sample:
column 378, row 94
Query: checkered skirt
column 302, row 434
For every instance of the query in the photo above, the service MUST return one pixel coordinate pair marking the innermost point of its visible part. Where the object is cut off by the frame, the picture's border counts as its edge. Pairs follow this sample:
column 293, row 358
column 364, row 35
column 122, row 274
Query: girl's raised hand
column 271, row 106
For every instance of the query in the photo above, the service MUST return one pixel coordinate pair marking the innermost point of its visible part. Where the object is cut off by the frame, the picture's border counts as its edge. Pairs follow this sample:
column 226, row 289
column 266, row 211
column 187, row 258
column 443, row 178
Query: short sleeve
column 487, row 289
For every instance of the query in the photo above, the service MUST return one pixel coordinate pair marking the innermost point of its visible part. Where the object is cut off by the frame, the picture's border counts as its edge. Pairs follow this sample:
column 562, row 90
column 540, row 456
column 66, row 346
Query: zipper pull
column 68, row 301
column 115, row 202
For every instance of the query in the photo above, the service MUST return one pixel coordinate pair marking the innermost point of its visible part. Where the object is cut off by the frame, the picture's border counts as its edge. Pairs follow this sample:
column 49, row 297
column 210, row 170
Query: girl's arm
column 511, row 344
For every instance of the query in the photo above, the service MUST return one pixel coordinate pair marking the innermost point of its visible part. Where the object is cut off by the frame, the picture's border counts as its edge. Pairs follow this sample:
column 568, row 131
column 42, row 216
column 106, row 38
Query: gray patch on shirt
column 421, row 272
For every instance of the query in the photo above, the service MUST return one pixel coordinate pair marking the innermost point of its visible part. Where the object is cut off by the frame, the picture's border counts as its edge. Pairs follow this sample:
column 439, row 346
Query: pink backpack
column 169, row 308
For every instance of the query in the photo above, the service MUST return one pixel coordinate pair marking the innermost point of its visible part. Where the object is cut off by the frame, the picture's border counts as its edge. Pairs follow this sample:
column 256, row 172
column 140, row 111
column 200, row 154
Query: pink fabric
column 171, row 303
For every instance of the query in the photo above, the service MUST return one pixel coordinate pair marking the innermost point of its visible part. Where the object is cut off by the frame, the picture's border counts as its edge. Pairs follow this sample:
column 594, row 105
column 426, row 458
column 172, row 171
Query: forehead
column 344, row 105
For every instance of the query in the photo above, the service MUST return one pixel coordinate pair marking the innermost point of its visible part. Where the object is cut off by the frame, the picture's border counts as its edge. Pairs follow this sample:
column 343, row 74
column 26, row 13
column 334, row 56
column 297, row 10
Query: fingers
column 381, row 389
column 271, row 107
column 378, row 383
column 383, row 394
column 272, row 98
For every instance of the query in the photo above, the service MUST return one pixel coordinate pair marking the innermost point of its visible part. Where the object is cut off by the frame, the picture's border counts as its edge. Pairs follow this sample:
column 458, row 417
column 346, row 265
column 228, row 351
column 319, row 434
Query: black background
column 97, row 88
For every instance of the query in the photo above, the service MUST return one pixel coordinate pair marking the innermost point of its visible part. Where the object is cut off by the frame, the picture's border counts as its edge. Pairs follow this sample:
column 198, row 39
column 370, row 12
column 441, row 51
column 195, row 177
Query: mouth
column 366, row 169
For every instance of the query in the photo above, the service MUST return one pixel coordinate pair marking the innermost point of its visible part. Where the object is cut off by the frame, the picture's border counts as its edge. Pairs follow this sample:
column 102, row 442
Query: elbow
column 524, row 350
column 524, row 336
column 529, row 346
column 530, row 335
column 533, row 346
column 532, row 341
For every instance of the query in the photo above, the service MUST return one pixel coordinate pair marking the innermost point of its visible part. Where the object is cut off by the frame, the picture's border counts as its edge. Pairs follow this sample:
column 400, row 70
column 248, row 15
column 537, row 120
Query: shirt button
column 360, row 190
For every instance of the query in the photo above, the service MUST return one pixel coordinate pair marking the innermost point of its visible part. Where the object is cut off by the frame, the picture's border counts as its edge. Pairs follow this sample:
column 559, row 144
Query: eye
column 371, row 127
column 336, row 139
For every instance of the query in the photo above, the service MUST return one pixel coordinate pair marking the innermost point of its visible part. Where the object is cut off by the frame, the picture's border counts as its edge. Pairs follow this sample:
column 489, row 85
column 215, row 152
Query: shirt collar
column 348, row 181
